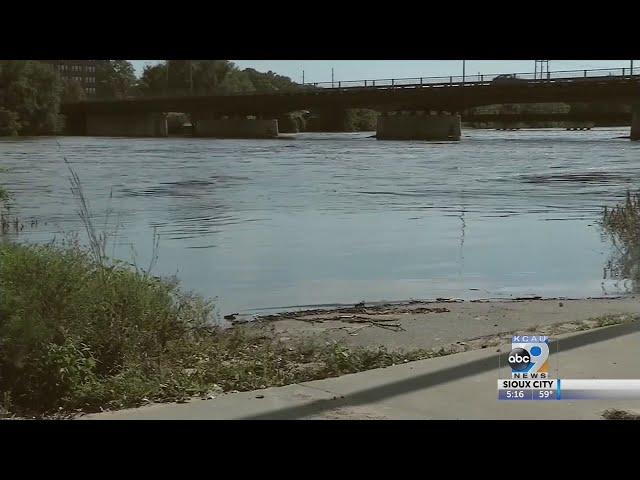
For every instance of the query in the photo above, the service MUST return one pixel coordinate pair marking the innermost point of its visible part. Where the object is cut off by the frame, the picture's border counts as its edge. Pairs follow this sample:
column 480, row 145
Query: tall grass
column 624, row 219
column 80, row 330
column 5, row 198
column 97, row 240
column 622, row 223
column 71, row 326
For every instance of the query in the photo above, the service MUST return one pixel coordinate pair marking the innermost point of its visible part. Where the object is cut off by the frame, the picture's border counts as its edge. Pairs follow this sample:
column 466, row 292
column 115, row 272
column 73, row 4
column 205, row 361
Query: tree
column 201, row 76
column 72, row 91
column 178, row 76
column 154, row 80
column 114, row 78
column 270, row 81
column 209, row 76
column 236, row 81
column 9, row 123
column 30, row 97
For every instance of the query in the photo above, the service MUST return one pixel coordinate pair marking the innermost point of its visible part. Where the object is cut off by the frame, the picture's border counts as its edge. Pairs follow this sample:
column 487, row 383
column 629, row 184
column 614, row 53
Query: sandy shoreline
column 428, row 325
column 443, row 387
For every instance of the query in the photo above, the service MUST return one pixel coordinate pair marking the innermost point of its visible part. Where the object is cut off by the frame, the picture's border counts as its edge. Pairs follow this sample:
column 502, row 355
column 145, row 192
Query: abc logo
column 519, row 359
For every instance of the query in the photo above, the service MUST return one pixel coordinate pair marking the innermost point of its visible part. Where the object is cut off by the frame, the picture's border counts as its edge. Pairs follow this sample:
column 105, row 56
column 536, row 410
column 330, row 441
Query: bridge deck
column 443, row 96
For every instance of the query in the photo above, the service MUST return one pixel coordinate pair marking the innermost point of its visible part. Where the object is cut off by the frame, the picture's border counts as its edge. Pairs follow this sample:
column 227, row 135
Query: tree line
column 31, row 91
column 201, row 77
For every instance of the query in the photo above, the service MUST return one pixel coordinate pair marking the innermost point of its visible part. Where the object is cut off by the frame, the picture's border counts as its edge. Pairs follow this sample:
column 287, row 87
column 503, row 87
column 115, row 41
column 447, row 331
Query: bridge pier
column 419, row 127
column 635, row 122
column 287, row 123
column 126, row 124
column 212, row 125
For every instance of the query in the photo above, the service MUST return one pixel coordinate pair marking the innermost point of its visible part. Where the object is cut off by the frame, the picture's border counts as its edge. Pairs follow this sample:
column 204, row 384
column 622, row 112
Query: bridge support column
column 126, row 124
column 635, row 122
column 419, row 127
column 287, row 123
column 211, row 125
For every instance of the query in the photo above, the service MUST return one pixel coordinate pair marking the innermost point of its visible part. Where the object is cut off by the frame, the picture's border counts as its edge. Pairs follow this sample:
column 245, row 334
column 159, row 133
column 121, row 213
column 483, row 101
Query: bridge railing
column 412, row 82
column 474, row 79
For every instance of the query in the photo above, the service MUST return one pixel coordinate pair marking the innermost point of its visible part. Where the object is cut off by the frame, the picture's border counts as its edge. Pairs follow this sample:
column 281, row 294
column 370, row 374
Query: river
column 321, row 219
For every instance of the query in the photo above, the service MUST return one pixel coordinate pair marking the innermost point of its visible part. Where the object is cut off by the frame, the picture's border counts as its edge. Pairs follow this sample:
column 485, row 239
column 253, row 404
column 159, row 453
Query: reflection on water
column 340, row 218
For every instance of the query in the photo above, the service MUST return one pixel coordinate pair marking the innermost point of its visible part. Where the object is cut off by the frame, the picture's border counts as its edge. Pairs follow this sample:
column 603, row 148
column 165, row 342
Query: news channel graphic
column 529, row 356
column 529, row 363
column 569, row 389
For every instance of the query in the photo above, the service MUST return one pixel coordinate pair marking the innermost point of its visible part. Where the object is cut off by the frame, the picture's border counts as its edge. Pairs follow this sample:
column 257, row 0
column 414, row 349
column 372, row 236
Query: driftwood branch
column 380, row 322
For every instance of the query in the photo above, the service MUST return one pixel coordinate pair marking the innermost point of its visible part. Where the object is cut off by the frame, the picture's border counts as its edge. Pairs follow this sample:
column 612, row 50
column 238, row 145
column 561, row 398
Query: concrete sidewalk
column 460, row 386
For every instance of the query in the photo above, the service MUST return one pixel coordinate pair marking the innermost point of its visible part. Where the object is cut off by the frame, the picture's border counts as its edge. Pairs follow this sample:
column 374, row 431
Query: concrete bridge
column 418, row 108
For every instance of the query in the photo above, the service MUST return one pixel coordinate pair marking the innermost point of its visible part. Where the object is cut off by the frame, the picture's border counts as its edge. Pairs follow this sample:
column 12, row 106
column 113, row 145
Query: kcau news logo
column 529, row 356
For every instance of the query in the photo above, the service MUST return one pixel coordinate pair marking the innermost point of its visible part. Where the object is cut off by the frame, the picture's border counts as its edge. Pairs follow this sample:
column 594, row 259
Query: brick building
column 83, row 71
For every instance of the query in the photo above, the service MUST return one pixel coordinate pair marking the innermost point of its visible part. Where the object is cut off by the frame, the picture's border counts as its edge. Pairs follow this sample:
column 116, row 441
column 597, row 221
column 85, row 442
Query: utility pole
column 464, row 64
column 631, row 67
column 167, row 64
column 332, row 78
column 543, row 64
column 303, row 76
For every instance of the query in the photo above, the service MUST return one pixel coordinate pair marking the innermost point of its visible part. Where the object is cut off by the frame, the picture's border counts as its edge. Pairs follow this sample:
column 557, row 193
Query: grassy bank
column 78, row 335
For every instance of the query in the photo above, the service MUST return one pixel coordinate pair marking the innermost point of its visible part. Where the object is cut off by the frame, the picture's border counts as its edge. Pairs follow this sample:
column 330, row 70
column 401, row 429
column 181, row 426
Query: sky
column 320, row 70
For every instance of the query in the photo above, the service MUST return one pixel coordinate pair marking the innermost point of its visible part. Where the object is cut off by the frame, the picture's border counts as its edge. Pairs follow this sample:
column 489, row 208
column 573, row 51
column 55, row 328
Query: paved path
column 460, row 386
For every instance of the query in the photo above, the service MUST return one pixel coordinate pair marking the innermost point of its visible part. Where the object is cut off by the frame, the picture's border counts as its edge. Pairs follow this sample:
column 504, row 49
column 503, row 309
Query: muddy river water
column 339, row 218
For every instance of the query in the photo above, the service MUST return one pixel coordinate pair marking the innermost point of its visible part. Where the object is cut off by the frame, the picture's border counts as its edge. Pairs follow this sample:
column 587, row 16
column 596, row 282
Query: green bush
column 363, row 120
column 9, row 123
column 30, row 99
column 69, row 325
